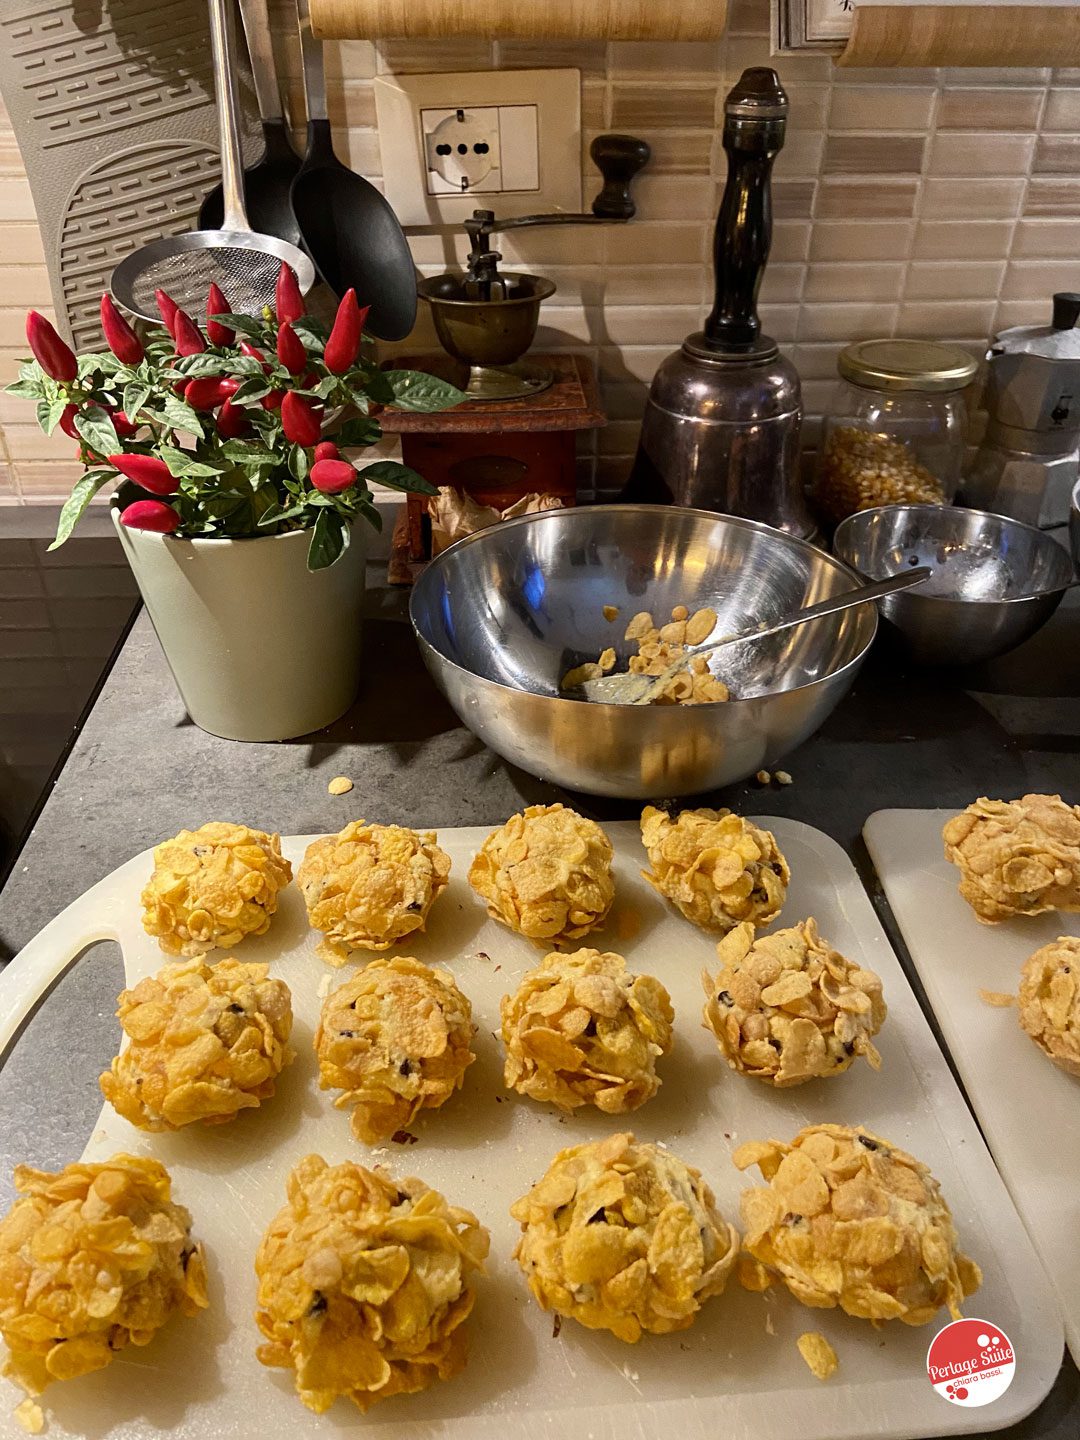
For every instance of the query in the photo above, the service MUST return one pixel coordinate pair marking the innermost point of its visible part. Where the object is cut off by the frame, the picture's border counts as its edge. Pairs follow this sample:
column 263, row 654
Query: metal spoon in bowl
column 630, row 689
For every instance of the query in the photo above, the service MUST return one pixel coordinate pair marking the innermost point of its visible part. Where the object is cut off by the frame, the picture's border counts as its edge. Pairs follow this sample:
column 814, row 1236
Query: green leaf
column 371, row 513
column 104, row 363
column 49, row 413
column 183, row 466
column 356, row 431
column 398, row 477
column 378, row 387
column 97, row 429
column 299, row 462
column 225, row 503
column 312, row 332
column 253, row 389
column 245, row 365
column 197, row 366
column 276, row 516
column 248, row 452
column 415, row 390
column 136, row 394
column 84, row 491
column 180, row 415
column 28, row 389
column 327, row 386
column 327, row 540
column 246, row 325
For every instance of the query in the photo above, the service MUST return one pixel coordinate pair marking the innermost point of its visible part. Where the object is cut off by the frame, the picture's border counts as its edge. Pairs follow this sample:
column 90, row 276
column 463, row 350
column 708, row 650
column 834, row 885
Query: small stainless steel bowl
column 501, row 616
column 995, row 581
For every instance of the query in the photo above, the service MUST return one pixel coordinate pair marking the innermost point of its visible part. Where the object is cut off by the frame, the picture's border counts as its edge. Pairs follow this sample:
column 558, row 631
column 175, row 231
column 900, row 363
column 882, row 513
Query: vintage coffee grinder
column 721, row 426
column 486, row 319
column 1027, row 463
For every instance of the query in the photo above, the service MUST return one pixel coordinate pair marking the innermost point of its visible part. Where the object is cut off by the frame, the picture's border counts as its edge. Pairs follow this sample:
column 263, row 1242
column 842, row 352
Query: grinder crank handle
column 755, row 118
column 617, row 157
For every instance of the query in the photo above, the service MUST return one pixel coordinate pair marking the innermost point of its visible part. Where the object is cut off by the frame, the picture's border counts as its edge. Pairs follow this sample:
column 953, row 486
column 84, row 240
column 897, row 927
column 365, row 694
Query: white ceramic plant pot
column 260, row 647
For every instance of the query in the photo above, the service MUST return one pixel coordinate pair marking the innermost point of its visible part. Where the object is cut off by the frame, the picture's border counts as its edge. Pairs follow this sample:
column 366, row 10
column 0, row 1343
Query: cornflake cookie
column 659, row 647
column 92, row 1259
column 623, row 1236
column 205, row 1043
column 787, row 1007
column 546, row 874
column 394, row 1040
column 370, row 885
column 1049, row 1001
column 1016, row 857
column 364, row 1283
column 583, row 1030
column 847, row 1219
column 212, row 886
column 715, row 867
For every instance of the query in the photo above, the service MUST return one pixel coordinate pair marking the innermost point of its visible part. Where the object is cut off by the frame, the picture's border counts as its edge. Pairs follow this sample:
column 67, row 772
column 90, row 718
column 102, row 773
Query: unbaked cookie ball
column 714, row 866
column 546, row 874
column 212, row 886
column 1016, row 857
column 1049, row 1001
column 92, row 1259
column 623, row 1236
column 583, row 1030
column 364, row 1283
column 205, row 1042
column 394, row 1040
column 370, row 885
column 847, row 1219
column 787, row 1007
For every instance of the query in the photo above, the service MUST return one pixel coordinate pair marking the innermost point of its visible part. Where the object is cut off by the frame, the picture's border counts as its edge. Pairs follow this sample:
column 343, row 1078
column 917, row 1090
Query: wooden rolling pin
column 513, row 19
column 964, row 34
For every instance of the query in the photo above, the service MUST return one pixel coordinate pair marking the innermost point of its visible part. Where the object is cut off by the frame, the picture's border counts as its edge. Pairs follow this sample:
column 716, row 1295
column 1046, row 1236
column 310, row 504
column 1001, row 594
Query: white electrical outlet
column 451, row 143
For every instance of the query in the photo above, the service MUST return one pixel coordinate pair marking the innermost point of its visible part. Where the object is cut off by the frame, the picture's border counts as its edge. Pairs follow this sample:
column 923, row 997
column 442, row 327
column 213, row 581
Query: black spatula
column 348, row 228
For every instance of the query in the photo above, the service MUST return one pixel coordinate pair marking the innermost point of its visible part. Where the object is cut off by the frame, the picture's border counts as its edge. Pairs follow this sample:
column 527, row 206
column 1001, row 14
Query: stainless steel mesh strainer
column 242, row 262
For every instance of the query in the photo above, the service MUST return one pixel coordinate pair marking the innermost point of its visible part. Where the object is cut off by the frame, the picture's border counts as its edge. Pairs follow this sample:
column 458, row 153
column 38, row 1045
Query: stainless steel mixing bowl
column 501, row 616
column 996, row 580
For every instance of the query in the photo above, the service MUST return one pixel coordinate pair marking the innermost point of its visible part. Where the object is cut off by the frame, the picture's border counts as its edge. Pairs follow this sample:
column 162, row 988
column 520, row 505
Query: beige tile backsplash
column 911, row 202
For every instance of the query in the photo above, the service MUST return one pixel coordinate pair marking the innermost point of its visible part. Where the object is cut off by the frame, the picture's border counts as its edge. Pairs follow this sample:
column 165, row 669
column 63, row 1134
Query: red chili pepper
column 147, row 471
column 272, row 400
column 288, row 301
column 290, row 349
column 232, row 423
column 246, row 348
column 343, row 345
column 216, row 304
column 119, row 336
column 124, row 427
column 210, row 391
column 67, row 422
column 55, row 357
column 326, row 450
column 187, row 336
column 298, row 419
column 332, row 476
column 167, row 308
column 150, row 515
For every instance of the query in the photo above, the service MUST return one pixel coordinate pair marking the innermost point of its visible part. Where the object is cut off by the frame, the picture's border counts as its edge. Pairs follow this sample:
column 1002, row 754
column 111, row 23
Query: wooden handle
column 510, row 19
column 994, row 35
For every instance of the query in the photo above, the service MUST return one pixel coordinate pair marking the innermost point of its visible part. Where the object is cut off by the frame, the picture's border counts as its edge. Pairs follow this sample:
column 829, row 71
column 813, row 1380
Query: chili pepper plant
column 236, row 428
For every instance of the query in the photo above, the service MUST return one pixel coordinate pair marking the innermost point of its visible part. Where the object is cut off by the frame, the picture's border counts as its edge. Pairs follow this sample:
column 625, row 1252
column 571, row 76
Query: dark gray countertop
column 141, row 771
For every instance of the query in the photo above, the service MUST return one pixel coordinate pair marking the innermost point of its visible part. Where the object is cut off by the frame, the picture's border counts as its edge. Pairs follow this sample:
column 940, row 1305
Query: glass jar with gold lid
column 897, row 434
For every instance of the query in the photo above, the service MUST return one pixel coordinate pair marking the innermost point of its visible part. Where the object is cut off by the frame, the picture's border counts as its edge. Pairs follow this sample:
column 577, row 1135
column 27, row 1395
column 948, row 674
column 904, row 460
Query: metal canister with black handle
column 722, row 421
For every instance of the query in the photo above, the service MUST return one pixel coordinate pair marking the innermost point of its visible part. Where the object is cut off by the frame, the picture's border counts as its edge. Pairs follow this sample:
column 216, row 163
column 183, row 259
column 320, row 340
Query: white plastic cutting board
column 1029, row 1110
column 727, row 1376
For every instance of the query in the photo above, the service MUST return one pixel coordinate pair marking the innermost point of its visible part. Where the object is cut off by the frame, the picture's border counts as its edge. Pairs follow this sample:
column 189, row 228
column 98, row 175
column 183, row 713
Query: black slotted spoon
column 268, row 182
column 347, row 226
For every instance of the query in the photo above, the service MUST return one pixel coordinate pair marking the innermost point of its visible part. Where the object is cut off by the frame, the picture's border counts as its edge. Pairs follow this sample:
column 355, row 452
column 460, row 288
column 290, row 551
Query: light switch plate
column 507, row 140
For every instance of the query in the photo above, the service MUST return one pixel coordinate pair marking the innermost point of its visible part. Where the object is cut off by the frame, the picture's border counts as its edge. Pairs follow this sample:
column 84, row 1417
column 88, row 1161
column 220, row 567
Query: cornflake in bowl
column 847, row 1219
column 92, row 1259
column 715, row 867
column 582, row 1030
column 212, row 887
column 369, row 886
column 1016, row 857
column 623, row 1236
column 546, row 874
column 787, row 1007
column 364, row 1284
column 205, row 1042
column 394, row 1040
column 1049, row 1001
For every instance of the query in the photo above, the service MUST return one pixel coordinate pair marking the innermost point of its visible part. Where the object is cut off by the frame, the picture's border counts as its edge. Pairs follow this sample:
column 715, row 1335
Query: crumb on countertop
column 998, row 998
column 340, row 785
column 763, row 777
column 819, row 1355
column 30, row 1416
column 782, row 777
